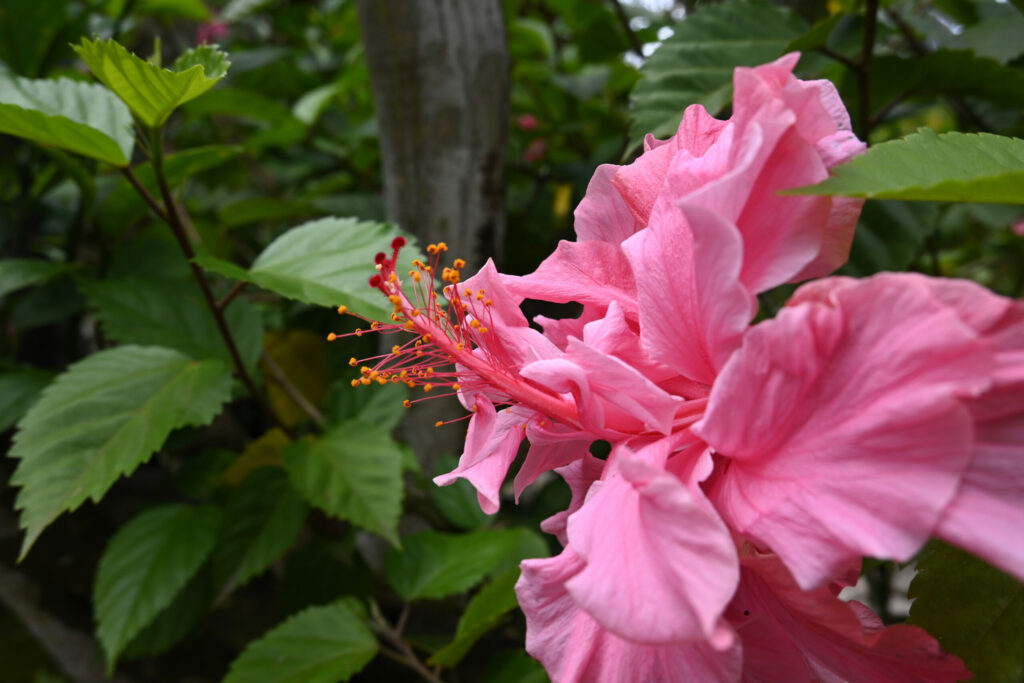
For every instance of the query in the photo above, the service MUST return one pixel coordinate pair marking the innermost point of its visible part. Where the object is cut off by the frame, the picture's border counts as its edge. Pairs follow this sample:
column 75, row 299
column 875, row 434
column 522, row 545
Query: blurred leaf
column 483, row 613
column 18, row 389
column 175, row 315
column 889, row 235
column 952, row 167
column 266, row 451
column 325, row 263
column 432, row 564
column 47, row 303
column 24, row 50
column 262, row 519
column 84, row 118
column 202, row 473
column 380, row 405
column 100, row 419
column 589, row 81
column 318, row 645
column 817, row 36
column 260, row 209
column 995, row 33
column 151, row 92
column 302, row 358
column 146, row 563
column 458, row 501
column 176, row 620
column 514, row 667
column 309, row 107
column 17, row 273
column 695, row 65
column 315, row 573
column 354, row 473
column 974, row 610
column 186, row 9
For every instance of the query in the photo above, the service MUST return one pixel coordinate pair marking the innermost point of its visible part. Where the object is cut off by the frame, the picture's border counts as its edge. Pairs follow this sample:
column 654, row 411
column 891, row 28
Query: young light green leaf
column 925, row 166
column 432, row 564
column 975, row 611
column 151, row 92
column 173, row 314
column 100, row 419
column 213, row 60
column 483, row 613
column 695, row 65
column 325, row 263
column 319, row 645
column 352, row 472
column 84, row 118
column 18, row 389
column 264, row 515
column 144, row 566
column 17, row 273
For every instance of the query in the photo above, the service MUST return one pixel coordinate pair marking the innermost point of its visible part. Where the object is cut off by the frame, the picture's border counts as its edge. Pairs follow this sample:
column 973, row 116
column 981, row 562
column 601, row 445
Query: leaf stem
column 293, row 392
column 173, row 219
column 404, row 653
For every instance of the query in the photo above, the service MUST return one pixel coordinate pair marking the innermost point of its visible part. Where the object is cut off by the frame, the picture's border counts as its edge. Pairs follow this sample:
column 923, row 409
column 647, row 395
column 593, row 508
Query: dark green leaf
column 18, row 389
column 176, row 620
column 952, row 167
column 319, row 645
column 100, row 419
column 432, row 564
column 889, row 235
column 146, row 563
column 24, row 50
column 514, row 667
column 695, row 65
column 379, row 405
column 975, row 611
column 458, row 502
column 84, row 118
column 817, row 36
column 17, row 273
column 352, row 472
column 483, row 613
column 263, row 518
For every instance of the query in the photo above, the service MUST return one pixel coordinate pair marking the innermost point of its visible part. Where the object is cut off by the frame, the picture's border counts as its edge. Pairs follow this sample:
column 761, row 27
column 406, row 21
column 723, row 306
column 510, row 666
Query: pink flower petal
column 793, row 635
column 844, row 425
column 550, row 452
column 660, row 564
column 603, row 214
column 579, row 475
column 573, row 647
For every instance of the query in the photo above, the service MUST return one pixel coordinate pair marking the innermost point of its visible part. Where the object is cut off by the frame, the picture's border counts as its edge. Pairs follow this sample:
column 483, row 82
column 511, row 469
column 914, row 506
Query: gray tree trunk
column 439, row 70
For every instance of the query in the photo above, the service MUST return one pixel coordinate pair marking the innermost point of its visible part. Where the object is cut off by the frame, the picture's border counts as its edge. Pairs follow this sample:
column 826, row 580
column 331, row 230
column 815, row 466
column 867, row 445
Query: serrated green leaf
column 432, row 564
column 325, row 263
column 353, row 472
column 176, row 620
column 318, row 645
column 212, row 59
column 84, row 118
column 151, row 92
column 17, row 273
column 695, row 65
column 144, row 566
column 974, row 610
column 18, row 389
column 264, row 516
column 483, row 613
column 100, row 419
column 952, row 167
column 175, row 315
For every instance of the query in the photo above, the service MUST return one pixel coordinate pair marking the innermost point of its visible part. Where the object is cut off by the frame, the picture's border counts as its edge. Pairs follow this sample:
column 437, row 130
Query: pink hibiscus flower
column 751, row 466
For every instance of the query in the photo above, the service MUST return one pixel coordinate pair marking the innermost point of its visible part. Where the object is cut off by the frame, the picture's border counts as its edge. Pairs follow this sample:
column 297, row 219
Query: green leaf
column 974, row 610
column 100, row 419
column 175, row 315
column 84, row 118
column 319, row 645
column 380, row 405
column 952, row 167
column 458, row 501
column 187, row 9
column 432, row 564
column 352, row 472
column 817, row 36
column 25, row 50
column 176, row 620
column 514, row 667
column 18, row 389
column 144, row 566
column 325, row 263
column 151, row 92
column 17, row 273
column 889, row 235
column 483, row 613
column 264, row 516
column 695, row 65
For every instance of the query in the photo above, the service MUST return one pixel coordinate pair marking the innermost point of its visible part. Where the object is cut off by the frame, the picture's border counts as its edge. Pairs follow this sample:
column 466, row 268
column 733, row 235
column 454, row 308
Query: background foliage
column 190, row 477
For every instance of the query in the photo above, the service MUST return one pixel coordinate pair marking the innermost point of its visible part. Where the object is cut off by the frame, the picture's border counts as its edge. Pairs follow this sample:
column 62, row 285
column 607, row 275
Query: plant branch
column 144, row 193
column 293, row 392
column 230, row 296
column 841, row 58
column 634, row 41
column 173, row 219
column 867, row 48
column 405, row 654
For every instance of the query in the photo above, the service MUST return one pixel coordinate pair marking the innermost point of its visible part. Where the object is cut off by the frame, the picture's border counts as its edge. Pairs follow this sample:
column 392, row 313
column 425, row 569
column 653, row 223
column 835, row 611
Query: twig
column 840, row 57
column 405, row 654
column 293, row 392
column 630, row 33
column 230, row 296
column 150, row 200
column 173, row 219
column 867, row 48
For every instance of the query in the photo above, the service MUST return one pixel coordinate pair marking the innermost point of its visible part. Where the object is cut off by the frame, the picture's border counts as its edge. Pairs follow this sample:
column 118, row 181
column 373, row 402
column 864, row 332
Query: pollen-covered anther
column 427, row 387
column 456, row 386
column 458, row 264
column 396, row 350
column 331, row 337
column 365, row 381
column 342, row 310
column 396, row 300
column 475, row 324
column 407, row 403
column 355, row 382
column 439, row 423
column 353, row 362
column 358, row 332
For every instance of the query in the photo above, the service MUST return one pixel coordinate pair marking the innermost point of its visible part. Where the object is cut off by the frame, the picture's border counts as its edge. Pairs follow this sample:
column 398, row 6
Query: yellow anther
column 331, row 336
column 459, row 264
column 488, row 303
column 409, row 325
column 365, row 380
column 480, row 295
column 407, row 403
column 396, row 349
column 427, row 387
column 374, row 374
column 467, row 292
column 482, row 330
column 419, row 354
column 359, row 332
column 393, row 278
column 439, row 423
column 419, row 264
column 427, row 338
column 441, row 246
column 415, row 275
column 396, row 300
column 474, row 323
column 404, row 374
column 409, row 383
column 382, row 381
column 342, row 310
column 430, row 371
column 374, row 325
column 456, row 386
column 353, row 362
column 414, row 312
column 394, row 316
column 355, row 383
column 431, row 249
column 460, row 346
column 365, row 370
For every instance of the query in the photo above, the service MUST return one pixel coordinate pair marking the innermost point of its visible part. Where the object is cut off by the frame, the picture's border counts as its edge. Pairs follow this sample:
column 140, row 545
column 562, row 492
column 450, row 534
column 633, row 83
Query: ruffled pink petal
column 844, row 425
column 552, row 447
column 579, row 475
column 603, row 214
column 491, row 445
column 573, row 647
column 660, row 564
column 797, row 636
column 693, row 308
